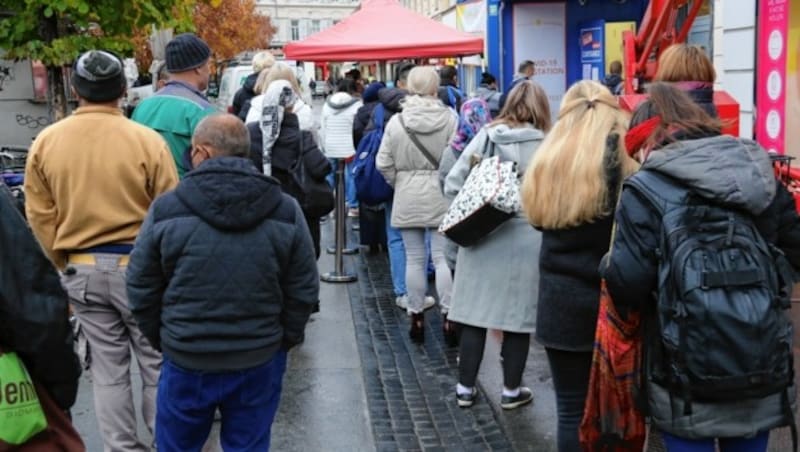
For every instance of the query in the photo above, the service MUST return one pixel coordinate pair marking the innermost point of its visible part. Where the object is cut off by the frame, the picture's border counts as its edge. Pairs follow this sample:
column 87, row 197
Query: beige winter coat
column 418, row 199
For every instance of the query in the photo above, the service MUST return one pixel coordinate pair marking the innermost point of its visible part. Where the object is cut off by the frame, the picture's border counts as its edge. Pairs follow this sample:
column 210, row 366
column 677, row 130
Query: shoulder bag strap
column 419, row 145
column 489, row 144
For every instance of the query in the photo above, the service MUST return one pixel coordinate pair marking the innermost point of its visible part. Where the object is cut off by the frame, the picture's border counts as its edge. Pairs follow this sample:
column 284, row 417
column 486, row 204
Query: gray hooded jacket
column 418, row 200
column 726, row 171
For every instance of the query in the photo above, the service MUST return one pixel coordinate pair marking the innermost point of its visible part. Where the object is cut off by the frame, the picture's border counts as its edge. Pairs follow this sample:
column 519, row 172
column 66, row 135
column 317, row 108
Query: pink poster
column 771, row 78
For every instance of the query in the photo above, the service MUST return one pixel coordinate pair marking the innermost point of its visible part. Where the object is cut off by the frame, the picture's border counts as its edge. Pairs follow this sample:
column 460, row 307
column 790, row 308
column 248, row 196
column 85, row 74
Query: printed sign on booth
column 539, row 35
column 778, row 77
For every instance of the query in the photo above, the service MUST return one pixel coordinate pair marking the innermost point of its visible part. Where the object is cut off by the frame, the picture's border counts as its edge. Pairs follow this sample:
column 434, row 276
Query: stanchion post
column 338, row 275
column 341, row 215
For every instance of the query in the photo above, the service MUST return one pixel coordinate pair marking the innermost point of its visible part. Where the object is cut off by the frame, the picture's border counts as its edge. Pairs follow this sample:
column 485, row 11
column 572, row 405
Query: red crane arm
column 657, row 31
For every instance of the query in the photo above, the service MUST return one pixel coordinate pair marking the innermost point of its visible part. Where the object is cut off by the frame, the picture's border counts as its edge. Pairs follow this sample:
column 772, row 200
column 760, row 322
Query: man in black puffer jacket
column 222, row 280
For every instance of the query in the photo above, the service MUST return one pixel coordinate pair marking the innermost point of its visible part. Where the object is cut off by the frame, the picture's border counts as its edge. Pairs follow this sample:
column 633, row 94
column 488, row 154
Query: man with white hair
column 261, row 61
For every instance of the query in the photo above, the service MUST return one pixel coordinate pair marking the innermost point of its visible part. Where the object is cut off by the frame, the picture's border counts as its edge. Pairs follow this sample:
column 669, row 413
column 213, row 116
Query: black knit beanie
column 99, row 76
column 186, row 51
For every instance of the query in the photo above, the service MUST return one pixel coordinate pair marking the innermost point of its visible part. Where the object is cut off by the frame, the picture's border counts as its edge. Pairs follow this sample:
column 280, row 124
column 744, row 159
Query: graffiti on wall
column 32, row 122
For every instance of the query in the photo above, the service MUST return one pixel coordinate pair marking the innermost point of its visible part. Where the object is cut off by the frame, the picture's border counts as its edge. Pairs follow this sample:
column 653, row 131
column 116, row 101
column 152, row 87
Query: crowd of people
column 187, row 239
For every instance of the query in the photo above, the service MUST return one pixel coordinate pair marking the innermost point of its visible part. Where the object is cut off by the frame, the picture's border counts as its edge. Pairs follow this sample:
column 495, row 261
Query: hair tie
column 590, row 104
column 636, row 136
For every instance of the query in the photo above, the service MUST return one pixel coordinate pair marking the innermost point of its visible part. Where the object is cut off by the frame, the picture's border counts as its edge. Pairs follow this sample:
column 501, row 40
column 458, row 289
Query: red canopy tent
column 384, row 30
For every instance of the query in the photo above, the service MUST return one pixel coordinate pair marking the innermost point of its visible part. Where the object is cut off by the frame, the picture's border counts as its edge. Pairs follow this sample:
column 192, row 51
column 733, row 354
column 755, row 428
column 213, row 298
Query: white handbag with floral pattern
column 489, row 197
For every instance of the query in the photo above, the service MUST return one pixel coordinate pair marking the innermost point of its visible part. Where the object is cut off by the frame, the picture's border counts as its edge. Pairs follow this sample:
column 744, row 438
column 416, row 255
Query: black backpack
column 314, row 195
column 721, row 329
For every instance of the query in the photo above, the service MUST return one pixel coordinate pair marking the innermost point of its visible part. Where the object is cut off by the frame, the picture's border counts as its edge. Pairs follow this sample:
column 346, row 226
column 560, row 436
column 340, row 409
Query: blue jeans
column 351, row 198
column 350, row 186
column 397, row 254
column 247, row 399
column 757, row 443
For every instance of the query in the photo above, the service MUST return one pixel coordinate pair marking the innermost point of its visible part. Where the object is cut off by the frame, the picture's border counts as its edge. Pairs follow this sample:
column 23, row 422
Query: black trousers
column 570, row 372
column 313, row 227
column 470, row 354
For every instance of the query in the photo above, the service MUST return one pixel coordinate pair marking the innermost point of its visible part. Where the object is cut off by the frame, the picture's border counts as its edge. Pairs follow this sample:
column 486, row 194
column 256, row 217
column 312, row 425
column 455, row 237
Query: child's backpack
column 371, row 187
column 721, row 329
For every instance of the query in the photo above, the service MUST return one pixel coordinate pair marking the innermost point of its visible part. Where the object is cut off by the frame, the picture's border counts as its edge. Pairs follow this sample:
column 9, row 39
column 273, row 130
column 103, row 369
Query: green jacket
column 174, row 112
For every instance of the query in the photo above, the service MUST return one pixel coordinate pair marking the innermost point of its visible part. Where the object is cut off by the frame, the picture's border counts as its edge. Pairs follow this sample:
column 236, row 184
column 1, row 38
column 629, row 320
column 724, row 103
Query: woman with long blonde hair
column 569, row 192
column 496, row 279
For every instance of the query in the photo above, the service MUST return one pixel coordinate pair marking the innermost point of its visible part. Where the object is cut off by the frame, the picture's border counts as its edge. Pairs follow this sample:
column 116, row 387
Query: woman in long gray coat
column 408, row 158
column 497, row 279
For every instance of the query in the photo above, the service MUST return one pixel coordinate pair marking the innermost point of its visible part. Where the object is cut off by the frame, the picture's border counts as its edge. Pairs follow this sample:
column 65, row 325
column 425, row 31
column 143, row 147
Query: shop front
column 777, row 77
column 568, row 40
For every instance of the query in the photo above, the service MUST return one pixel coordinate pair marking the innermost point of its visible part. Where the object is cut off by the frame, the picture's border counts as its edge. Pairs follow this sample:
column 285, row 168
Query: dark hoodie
column 726, row 171
column 223, row 273
column 391, row 98
column 363, row 115
column 614, row 83
column 450, row 95
column 242, row 97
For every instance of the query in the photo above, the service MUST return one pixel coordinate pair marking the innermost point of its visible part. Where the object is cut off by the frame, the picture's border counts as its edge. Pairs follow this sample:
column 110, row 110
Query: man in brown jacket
column 89, row 182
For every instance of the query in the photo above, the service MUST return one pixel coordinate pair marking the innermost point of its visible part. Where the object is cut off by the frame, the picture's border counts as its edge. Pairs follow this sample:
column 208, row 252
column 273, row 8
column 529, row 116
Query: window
column 315, row 26
column 295, row 30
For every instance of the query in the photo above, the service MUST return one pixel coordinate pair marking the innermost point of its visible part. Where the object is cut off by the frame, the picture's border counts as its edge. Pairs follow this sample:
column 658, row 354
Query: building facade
column 298, row 19
column 428, row 8
column 735, row 56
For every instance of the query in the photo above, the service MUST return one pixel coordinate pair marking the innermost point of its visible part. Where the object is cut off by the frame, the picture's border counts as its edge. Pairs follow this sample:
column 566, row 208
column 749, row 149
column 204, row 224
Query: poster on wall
column 778, row 78
column 539, row 35
column 792, row 110
column 613, row 38
column 471, row 18
column 591, row 41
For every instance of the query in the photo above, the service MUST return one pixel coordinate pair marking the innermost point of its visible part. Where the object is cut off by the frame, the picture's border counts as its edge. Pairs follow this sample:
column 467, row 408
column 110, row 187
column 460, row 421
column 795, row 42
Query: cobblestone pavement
column 410, row 388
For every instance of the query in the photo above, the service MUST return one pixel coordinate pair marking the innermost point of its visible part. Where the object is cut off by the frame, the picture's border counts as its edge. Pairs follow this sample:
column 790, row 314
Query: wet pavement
column 359, row 384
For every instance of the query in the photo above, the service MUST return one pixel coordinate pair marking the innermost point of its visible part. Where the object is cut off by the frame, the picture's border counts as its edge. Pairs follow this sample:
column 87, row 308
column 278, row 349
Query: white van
column 232, row 79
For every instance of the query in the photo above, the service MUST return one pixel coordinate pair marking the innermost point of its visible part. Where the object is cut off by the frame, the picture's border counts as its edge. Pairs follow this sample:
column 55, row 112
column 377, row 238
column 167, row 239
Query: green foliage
column 57, row 31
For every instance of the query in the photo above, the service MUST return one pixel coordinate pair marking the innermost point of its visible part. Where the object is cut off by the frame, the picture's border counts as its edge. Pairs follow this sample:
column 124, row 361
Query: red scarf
column 636, row 136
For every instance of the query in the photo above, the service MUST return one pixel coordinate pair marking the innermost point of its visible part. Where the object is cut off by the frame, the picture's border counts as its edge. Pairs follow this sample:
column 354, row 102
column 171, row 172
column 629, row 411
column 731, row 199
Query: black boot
column 417, row 331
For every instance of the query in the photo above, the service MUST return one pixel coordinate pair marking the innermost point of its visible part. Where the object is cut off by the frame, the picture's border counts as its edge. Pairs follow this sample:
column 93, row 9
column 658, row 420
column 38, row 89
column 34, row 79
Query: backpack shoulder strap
column 660, row 190
column 411, row 134
column 377, row 116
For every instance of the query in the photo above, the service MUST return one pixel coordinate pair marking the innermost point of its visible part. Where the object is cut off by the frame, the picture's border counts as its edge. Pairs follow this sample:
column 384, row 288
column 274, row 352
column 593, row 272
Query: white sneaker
column 428, row 303
column 402, row 302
